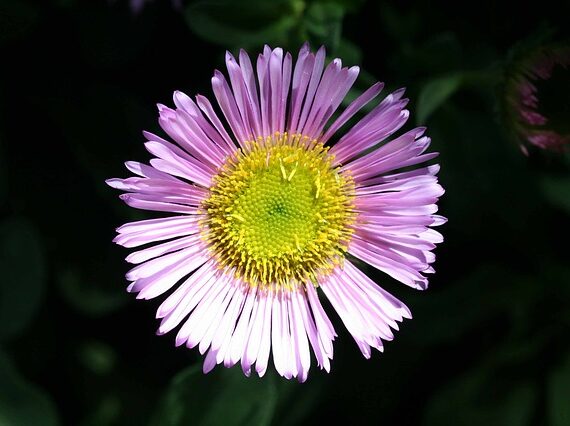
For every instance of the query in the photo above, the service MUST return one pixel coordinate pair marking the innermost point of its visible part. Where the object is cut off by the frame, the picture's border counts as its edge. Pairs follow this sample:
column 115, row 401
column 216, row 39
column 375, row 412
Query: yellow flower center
column 279, row 213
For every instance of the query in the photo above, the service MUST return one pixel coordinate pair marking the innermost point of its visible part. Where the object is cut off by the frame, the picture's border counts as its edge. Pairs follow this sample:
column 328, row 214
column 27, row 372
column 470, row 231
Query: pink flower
column 523, row 98
column 268, row 216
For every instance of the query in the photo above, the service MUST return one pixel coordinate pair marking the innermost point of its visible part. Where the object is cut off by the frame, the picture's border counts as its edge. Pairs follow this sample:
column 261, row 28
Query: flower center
column 279, row 212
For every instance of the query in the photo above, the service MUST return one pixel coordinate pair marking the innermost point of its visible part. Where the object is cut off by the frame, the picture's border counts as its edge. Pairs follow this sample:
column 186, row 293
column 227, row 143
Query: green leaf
column 558, row 387
column 323, row 22
column 435, row 93
column 22, row 403
column 557, row 191
column 23, row 275
column 223, row 397
column 243, row 24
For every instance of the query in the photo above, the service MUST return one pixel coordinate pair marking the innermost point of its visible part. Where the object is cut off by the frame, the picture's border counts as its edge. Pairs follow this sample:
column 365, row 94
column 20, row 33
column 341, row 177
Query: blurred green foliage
column 225, row 396
column 23, row 275
column 557, row 190
column 286, row 23
column 558, row 384
column 436, row 92
column 489, row 341
column 22, row 403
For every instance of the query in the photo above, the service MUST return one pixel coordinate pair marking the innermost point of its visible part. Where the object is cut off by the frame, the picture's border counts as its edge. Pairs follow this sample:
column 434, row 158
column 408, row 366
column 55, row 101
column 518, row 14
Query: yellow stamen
column 273, row 230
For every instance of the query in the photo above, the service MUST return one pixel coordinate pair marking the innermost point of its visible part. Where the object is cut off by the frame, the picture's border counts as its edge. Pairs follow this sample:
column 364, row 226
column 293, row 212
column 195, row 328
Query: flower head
column 524, row 98
column 268, row 213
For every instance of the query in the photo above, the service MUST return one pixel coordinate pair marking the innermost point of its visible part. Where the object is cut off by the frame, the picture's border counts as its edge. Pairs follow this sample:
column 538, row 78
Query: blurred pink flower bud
column 525, row 97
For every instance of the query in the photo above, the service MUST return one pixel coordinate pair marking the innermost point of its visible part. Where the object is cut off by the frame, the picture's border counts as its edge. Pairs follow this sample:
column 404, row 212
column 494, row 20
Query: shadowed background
column 488, row 343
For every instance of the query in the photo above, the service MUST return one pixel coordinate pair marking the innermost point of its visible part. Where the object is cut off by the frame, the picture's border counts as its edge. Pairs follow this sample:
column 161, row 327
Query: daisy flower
column 267, row 216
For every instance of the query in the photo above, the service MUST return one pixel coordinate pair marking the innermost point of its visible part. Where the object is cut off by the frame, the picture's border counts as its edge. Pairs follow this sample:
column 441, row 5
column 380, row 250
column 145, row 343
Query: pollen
column 279, row 212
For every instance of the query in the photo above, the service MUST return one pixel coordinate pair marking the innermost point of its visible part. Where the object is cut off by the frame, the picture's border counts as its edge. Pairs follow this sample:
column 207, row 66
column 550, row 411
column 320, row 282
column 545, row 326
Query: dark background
column 79, row 82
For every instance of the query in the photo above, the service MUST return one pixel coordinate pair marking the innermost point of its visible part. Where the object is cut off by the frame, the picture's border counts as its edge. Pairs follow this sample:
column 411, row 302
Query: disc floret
column 279, row 212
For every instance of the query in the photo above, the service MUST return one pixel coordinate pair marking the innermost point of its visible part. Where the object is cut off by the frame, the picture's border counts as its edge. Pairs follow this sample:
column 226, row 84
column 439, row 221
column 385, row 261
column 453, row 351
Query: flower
column 268, row 214
column 523, row 97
